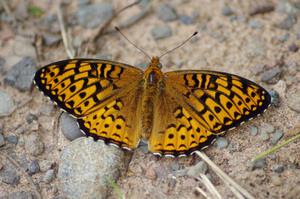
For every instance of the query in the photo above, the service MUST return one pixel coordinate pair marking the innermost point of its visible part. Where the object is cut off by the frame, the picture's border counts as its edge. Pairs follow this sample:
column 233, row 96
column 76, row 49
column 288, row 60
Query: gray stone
column 293, row 101
column 221, row 142
column 278, row 168
column 276, row 136
column 255, row 24
column 200, row 167
column 33, row 167
column 86, row 167
column 21, row 195
column 13, row 139
column 49, row 176
column 258, row 164
column 166, row 13
column 30, row 118
column 9, row 175
column 34, row 145
column 51, row 39
column 21, row 74
column 6, row 105
column 161, row 32
column 187, row 20
column 96, row 15
column 2, row 142
column 253, row 130
column 270, row 76
column 227, row 11
column 69, row 127
column 275, row 98
column 287, row 23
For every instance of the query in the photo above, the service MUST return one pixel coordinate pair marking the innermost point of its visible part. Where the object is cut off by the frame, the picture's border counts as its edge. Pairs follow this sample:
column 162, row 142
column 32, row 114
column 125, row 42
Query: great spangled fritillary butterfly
column 178, row 112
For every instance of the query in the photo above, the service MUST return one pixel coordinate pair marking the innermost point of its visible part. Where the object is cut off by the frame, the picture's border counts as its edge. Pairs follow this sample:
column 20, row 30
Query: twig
column 278, row 146
column 66, row 40
column 16, row 164
column 115, row 15
column 224, row 176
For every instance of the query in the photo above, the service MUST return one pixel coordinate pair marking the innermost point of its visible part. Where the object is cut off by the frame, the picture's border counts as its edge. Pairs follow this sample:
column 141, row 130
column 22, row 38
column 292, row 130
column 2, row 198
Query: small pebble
column 49, row 176
column 13, row 139
column 6, row 105
column 276, row 136
column 200, row 167
column 287, row 23
column 30, row 118
column 278, row 168
column 258, row 164
column 255, row 24
column 161, row 32
column 293, row 47
column 264, row 136
column 150, row 173
column 227, row 11
column 83, row 2
column 2, row 142
column 33, row 167
column 95, row 15
column 9, row 175
column 276, row 180
column 21, row 74
column 275, row 98
column 283, row 38
column 253, row 130
column 69, row 127
column 34, row 145
column 270, row 75
column 51, row 39
column 166, row 13
column 221, row 142
column 293, row 101
column 262, row 8
column 286, row 7
column 21, row 195
column 185, row 19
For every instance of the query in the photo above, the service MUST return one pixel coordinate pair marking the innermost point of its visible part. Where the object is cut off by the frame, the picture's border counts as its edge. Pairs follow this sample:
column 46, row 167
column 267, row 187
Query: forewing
column 83, row 86
column 219, row 101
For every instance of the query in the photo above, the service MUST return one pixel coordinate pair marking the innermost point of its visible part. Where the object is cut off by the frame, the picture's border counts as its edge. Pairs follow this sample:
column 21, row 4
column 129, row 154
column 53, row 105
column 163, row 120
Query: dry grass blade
column 228, row 181
column 19, row 168
column 66, row 39
column 264, row 154
column 210, row 187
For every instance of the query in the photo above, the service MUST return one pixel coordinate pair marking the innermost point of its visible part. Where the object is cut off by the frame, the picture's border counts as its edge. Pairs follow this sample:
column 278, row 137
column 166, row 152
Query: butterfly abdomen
column 152, row 86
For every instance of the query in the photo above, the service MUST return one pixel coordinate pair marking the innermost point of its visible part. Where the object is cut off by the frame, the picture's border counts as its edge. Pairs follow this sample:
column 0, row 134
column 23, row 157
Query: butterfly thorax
column 153, row 82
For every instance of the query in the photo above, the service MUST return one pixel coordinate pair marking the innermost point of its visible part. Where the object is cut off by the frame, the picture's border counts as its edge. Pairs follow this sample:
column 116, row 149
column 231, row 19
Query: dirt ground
column 251, row 45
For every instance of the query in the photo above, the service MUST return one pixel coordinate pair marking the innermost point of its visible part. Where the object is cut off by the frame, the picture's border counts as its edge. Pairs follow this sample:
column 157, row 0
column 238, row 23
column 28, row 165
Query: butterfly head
column 155, row 63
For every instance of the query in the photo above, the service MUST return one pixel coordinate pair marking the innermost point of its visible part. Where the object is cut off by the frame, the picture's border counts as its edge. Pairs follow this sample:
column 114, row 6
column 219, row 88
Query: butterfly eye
column 159, row 65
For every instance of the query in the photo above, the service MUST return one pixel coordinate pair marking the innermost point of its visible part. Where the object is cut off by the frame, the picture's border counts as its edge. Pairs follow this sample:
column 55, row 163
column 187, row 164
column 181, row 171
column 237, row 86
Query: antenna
column 188, row 39
column 117, row 29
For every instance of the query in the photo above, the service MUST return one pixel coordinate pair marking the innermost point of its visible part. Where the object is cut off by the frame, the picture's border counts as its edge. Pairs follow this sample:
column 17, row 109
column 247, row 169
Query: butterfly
column 177, row 112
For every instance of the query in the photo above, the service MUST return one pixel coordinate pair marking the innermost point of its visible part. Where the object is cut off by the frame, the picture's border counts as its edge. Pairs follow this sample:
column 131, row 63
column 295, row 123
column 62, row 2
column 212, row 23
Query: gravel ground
column 257, row 39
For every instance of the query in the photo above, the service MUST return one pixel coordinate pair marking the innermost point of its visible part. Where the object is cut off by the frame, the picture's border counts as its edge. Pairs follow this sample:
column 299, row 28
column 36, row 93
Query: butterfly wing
column 89, row 89
column 210, row 101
